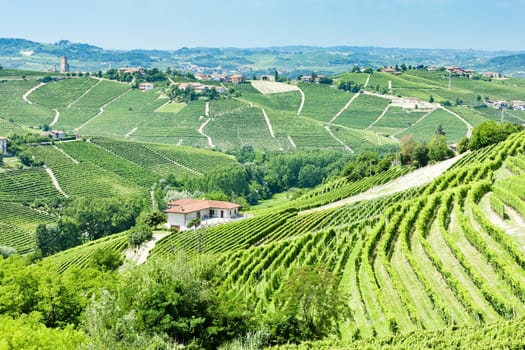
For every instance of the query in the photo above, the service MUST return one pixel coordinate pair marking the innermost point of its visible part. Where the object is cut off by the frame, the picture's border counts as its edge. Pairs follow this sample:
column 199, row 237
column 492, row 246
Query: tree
column 154, row 219
column 438, row 148
column 407, row 145
column 139, row 234
column 175, row 300
column 439, row 130
column 309, row 306
column 420, row 156
column 310, row 176
column 47, row 239
column 490, row 132
column 194, row 223
column 431, row 99
column 106, row 259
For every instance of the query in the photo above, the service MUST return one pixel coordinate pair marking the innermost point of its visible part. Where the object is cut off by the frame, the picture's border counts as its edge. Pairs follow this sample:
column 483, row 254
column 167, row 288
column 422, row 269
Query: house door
column 198, row 215
column 222, row 214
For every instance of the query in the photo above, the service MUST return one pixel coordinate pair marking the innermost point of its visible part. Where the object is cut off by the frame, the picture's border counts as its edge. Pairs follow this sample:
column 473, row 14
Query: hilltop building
column 146, row 86
column 64, row 66
column 238, row 78
column 3, row 145
column 132, row 70
column 181, row 212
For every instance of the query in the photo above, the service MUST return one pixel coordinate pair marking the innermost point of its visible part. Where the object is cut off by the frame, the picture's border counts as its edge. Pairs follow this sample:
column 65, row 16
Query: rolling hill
column 421, row 257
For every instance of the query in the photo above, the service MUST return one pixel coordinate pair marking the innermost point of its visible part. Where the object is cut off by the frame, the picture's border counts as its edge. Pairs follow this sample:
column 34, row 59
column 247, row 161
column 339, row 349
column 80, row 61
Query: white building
column 181, row 212
column 146, row 86
column 3, row 145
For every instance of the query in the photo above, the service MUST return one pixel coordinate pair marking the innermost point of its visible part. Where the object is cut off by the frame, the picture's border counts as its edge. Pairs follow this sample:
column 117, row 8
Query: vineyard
column 83, row 256
column 446, row 254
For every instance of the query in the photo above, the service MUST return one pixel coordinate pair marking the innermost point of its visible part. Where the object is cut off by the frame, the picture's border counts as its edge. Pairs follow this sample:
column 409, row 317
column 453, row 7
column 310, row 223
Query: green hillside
column 92, row 106
column 422, row 259
column 364, row 247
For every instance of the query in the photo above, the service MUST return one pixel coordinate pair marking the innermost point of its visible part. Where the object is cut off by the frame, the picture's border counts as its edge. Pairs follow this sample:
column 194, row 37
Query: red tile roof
column 183, row 206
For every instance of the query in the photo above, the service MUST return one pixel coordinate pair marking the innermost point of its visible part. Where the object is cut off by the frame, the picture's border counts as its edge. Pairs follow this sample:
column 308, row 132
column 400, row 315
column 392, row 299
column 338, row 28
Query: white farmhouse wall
column 176, row 220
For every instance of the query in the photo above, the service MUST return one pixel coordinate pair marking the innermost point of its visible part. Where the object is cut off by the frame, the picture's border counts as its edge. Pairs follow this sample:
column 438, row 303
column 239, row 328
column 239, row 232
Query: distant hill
column 290, row 60
column 512, row 64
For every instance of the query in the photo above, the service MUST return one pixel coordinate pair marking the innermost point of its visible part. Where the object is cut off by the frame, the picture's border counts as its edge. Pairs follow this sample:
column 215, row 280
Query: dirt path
column 207, row 109
column 131, row 132
column 302, row 101
column 413, row 179
column 55, row 119
column 140, row 255
column 338, row 139
column 367, row 80
column 294, row 146
column 66, row 154
column 469, row 126
column 200, row 130
column 85, row 93
column 28, row 92
column 513, row 226
column 393, row 136
column 101, row 110
column 345, row 107
column 268, row 123
column 55, row 181
column 380, row 116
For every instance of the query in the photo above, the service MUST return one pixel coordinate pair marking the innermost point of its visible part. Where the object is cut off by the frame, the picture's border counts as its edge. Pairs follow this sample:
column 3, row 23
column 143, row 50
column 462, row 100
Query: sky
column 168, row 25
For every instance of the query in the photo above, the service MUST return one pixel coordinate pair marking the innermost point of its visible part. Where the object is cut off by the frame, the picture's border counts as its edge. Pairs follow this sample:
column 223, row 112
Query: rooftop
column 182, row 206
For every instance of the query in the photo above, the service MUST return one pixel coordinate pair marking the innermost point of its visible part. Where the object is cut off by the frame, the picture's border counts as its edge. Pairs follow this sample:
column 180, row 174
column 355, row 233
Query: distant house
column 200, row 76
column 146, row 86
column 432, row 68
column 499, row 104
column 238, row 78
column 3, row 144
column 306, row 78
column 268, row 77
column 518, row 105
column 132, row 70
column 57, row 134
column 181, row 212
column 390, row 70
column 491, row 74
column 218, row 77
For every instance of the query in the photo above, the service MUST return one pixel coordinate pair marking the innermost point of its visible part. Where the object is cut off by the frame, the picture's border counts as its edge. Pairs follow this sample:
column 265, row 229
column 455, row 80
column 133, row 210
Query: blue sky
column 164, row 24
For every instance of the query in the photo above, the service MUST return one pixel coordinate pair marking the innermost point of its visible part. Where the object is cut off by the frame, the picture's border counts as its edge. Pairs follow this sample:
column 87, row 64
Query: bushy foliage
column 172, row 301
column 490, row 132
column 139, row 234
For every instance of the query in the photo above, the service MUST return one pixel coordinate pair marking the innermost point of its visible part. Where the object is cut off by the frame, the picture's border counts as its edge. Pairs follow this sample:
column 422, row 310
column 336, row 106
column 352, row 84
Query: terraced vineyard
column 449, row 253
column 82, row 256
column 165, row 160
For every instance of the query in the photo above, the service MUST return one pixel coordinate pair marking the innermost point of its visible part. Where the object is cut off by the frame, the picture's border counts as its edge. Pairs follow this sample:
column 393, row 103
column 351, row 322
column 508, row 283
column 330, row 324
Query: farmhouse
column 132, row 70
column 181, row 212
column 491, row 74
column 146, row 86
column 518, row 105
column 238, row 78
column 56, row 134
column 306, row 78
column 3, row 144
column 390, row 70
